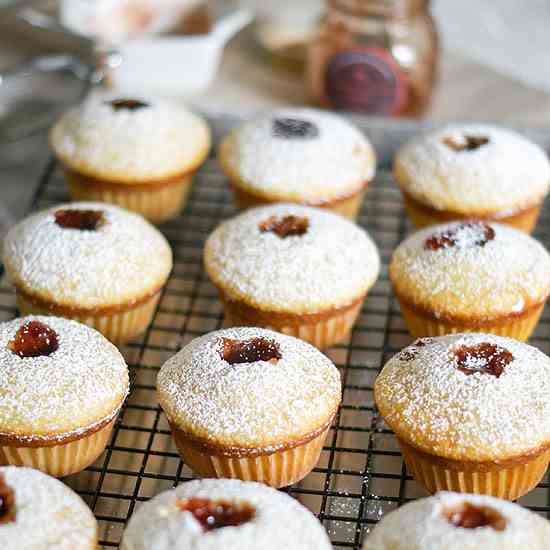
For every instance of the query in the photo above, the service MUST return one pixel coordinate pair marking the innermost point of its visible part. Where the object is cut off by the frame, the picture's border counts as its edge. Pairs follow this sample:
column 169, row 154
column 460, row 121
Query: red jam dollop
column 467, row 234
column 484, row 358
column 83, row 220
column 287, row 226
column 34, row 339
column 128, row 104
column 468, row 143
column 7, row 502
column 215, row 514
column 249, row 351
column 470, row 516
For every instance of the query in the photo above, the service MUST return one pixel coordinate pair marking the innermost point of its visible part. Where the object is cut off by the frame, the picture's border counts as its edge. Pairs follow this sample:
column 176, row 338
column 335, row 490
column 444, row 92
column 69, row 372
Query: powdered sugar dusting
column 336, row 162
column 280, row 521
column 123, row 260
column 155, row 142
column 421, row 525
column 506, row 174
column 48, row 514
column 485, row 280
column 431, row 404
column 332, row 264
column 79, row 384
column 249, row 404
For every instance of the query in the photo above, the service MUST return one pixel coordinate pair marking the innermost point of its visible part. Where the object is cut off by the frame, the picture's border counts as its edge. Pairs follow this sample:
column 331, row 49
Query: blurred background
column 439, row 60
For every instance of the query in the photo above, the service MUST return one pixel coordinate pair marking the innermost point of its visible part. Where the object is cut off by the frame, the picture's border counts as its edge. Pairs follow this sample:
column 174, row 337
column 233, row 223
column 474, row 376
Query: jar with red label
column 374, row 56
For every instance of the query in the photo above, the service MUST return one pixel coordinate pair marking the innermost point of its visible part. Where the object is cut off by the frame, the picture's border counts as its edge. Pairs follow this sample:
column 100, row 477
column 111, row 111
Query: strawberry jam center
column 128, row 104
column 7, row 502
column 484, row 358
column 287, row 226
column 83, row 220
column 249, row 351
column 465, row 235
column 215, row 514
column 470, row 516
column 468, row 143
column 34, row 339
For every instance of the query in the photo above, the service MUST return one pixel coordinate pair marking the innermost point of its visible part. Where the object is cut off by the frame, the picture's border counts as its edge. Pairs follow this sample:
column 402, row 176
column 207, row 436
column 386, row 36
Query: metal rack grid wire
column 360, row 475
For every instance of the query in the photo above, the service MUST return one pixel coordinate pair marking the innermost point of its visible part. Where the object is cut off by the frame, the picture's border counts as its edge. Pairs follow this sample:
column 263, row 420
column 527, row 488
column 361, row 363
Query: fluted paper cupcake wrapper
column 322, row 334
column 278, row 469
column 59, row 460
column 524, row 221
column 156, row 203
column 520, row 327
column 348, row 207
column 117, row 327
column 508, row 483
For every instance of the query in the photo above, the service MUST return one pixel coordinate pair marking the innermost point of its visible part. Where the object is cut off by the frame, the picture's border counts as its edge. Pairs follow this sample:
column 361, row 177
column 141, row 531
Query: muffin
column 250, row 403
column 62, row 386
column 224, row 513
column 473, row 171
column 299, row 156
column 471, row 276
column 298, row 270
column 38, row 512
column 471, row 413
column 454, row 521
column 140, row 154
column 91, row 262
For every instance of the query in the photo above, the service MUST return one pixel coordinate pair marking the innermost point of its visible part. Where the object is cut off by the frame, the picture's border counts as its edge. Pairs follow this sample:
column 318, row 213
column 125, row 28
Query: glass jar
column 374, row 56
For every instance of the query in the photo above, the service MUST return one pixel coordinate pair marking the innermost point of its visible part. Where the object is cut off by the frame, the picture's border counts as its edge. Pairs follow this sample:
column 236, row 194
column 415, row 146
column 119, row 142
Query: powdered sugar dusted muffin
column 92, row 262
column 471, row 276
column 62, row 386
column 460, row 522
column 299, row 270
column 473, row 171
column 250, row 403
column 224, row 513
column 471, row 413
column 299, row 155
column 138, row 153
column 38, row 512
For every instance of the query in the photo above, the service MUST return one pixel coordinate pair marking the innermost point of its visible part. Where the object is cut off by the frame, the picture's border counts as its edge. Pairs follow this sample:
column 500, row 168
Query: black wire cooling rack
column 360, row 475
